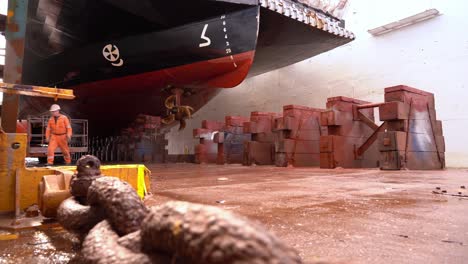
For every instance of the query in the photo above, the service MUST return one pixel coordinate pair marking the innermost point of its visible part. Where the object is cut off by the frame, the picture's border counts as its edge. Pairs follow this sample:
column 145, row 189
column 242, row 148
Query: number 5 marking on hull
column 207, row 39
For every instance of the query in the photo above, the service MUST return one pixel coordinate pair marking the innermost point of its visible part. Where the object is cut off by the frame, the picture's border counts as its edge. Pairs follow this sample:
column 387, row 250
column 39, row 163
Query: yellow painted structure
column 137, row 175
column 12, row 161
column 38, row 91
column 53, row 189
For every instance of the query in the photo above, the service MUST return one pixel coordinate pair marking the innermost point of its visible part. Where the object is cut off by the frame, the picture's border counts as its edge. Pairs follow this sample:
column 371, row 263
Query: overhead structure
column 36, row 91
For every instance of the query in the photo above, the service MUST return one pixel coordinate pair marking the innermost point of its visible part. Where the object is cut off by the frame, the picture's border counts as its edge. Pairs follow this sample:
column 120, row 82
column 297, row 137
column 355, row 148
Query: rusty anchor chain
column 116, row 227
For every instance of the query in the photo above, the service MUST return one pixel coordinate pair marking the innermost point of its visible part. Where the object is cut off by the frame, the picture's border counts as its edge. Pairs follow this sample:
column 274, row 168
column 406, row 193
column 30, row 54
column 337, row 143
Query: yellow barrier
column 12, row 158
column 138, row 176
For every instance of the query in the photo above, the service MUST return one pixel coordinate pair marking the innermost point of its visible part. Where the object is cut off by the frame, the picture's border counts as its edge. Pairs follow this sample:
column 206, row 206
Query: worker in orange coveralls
column 58, row 134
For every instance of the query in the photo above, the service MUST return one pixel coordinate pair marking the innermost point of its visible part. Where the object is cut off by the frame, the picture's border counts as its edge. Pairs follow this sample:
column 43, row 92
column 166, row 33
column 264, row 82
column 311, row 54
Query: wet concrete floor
column 49, row 243
column 343, row 216
column 338, row 216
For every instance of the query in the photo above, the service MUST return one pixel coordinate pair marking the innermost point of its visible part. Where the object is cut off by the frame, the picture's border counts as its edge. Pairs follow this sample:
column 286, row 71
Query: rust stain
column 18, row 46
column 8, row 237
column 177, row 228
column 12, row 27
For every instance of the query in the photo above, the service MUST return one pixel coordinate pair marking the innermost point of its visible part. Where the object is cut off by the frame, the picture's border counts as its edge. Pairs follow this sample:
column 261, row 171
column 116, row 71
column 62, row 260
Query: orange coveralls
column 58, row 132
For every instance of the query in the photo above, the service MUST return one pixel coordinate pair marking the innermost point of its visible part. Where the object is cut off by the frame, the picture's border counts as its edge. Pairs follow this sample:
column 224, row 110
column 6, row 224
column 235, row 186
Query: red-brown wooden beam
column 370, row 140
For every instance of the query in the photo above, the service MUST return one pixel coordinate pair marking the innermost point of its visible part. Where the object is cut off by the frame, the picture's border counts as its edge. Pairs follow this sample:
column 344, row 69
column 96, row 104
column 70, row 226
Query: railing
column 37, row 141
column 321, row 16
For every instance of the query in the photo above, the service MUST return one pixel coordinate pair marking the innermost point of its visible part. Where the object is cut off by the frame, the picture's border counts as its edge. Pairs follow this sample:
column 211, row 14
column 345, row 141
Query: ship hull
column 206, row 40
column 130, row 68
column 114, row 103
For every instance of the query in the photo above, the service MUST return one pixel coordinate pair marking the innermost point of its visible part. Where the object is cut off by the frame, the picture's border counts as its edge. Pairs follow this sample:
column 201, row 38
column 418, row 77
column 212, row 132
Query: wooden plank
column 391, row 160
column 368, row 143
column 298, row 146
column 370, row 123
column 393, row 111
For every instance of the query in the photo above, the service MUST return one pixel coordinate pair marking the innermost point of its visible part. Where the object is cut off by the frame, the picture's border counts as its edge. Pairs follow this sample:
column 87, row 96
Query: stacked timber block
column 297, row 136
column 413, row 138
column 160, row 153
column 346, row 133
column 207, row 150
column 261, row 149
column 231, row 140
column 142, row 141
column 146, row 128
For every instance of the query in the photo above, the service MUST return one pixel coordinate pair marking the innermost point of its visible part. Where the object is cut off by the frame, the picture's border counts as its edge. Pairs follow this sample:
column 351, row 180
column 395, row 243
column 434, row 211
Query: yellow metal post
column 17, row 193
column 12, row 157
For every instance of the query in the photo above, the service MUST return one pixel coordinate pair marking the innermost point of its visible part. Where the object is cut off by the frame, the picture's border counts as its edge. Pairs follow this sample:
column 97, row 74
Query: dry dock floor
column 337, row 216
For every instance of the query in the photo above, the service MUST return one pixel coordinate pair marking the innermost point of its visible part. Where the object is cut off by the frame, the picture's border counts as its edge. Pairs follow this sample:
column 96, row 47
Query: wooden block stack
column 142, row 141
column 297, row 136
column 207, row 150
column 345, row 135
column 148, row 124
column 414, row 137
column 261, row 149
column 147, row 127
column 160, row 153
column 231, row 140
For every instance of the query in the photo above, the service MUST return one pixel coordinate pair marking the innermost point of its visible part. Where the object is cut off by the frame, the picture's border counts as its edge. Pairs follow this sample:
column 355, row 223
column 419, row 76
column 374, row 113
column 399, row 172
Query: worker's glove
column 68, row 138
column 47, row 140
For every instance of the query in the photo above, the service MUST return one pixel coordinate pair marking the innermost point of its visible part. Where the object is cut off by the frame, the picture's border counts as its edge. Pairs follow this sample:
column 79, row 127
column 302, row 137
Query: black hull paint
column 228, row 34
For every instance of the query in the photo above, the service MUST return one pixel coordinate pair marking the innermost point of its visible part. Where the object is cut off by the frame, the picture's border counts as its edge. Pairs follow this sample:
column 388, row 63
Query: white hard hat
column 54, row 107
